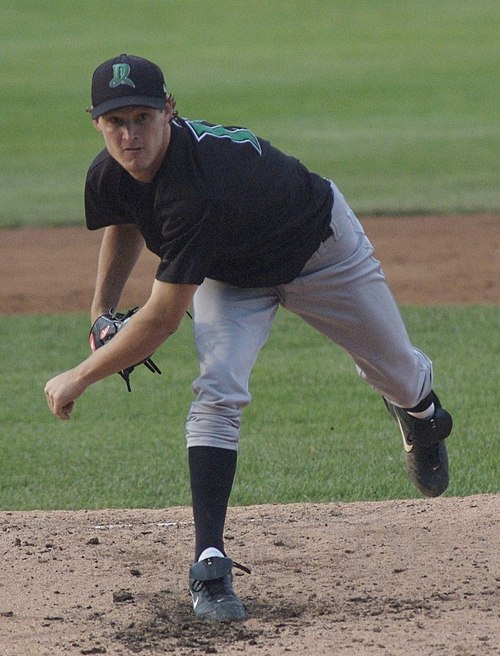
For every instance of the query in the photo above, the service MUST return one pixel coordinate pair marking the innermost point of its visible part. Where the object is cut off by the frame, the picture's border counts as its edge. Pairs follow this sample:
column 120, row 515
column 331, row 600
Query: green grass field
column 314, row 431
column 396, row 101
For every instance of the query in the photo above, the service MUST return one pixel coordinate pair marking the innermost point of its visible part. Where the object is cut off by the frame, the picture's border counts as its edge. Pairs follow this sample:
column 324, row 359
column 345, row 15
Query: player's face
column 137, row 138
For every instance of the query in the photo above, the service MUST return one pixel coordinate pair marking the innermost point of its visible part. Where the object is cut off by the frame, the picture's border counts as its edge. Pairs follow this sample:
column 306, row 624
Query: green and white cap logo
column 120, row 76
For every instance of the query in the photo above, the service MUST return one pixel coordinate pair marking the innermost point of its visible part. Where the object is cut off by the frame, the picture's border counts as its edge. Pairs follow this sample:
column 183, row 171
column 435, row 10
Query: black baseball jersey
column 224, row 204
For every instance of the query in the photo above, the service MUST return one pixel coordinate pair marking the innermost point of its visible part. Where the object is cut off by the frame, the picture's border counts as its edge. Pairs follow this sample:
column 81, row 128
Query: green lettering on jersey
column 238, row 135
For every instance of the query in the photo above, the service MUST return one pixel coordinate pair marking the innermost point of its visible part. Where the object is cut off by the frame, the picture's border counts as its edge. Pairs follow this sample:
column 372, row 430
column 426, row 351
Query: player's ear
column 169, row 108
column 96, row 123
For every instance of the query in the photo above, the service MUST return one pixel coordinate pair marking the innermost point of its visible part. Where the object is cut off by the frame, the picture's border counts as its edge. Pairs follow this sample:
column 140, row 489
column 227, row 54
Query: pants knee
column 213, row 426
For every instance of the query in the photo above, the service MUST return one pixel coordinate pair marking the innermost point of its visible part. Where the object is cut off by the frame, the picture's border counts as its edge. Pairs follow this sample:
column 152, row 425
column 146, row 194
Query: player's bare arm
column 145, row 332
column 120, row 249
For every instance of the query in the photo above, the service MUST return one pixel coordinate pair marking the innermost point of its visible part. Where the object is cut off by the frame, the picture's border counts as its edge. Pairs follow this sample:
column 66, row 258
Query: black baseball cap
column 124, row 81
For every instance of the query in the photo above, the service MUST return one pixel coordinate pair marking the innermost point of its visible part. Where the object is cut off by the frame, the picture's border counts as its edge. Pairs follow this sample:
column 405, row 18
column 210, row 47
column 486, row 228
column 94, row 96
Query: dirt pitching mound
column 405, row 577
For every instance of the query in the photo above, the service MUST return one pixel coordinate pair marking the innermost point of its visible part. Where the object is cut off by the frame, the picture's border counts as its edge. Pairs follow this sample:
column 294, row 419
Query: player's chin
column 137, row 167
column 132, row 164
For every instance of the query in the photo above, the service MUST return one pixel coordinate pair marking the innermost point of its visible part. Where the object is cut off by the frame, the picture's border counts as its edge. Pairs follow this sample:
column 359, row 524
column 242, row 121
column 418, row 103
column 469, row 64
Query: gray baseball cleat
column 426, row 459
column 210, row 584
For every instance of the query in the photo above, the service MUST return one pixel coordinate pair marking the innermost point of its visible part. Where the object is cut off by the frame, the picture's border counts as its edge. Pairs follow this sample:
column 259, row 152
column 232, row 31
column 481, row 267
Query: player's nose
column 129, row 131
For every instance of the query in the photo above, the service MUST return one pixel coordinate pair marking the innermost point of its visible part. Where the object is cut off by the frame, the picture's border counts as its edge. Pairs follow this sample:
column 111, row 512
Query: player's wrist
column 97, row 311
column 85, row 374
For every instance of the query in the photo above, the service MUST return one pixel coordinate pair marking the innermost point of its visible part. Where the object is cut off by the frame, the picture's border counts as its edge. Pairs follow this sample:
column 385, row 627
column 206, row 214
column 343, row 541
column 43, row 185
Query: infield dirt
column 399, row 577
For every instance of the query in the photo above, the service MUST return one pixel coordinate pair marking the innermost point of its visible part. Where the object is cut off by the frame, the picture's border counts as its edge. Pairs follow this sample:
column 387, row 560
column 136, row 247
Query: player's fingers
column 48, row 396
column 58, row 409
column 66, row 410
column 62, row 412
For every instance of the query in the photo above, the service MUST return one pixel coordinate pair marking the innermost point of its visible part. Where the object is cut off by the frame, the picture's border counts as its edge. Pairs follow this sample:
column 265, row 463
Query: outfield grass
column 314, row 431
column 397, row 101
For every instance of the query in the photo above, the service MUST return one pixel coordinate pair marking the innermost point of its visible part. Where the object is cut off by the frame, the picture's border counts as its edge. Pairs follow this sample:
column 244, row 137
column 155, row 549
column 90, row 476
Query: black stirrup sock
column 212, row 473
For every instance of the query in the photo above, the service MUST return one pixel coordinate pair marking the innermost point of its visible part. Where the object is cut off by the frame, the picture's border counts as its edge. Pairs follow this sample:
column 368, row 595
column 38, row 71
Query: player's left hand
column 62, row 392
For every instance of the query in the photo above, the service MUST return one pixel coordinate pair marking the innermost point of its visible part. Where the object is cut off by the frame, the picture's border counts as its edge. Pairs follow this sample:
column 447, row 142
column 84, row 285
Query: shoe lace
column 242, row 567
column 426, row 434
column 428, row 442
column 217, row 587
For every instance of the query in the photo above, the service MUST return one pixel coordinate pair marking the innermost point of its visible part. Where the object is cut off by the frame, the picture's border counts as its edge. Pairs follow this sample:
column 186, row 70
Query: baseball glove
column 105, row 328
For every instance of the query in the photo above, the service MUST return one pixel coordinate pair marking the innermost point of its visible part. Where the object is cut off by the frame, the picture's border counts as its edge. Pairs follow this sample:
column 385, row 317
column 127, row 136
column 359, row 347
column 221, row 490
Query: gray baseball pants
column 341, row 292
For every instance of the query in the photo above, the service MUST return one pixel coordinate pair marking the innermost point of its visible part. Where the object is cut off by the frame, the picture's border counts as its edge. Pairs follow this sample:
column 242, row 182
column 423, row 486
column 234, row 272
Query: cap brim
column 128, row 101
